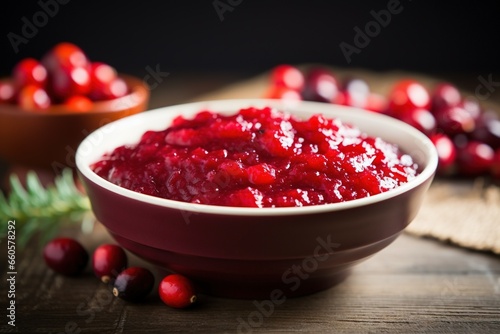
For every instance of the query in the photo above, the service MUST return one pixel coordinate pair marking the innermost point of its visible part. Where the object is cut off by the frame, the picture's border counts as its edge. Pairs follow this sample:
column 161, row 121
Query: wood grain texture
column 415, row 285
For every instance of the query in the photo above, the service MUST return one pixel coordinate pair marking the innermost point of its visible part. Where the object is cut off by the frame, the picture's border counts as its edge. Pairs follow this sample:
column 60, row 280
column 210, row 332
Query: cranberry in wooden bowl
column 48, row 106
column 255, row 252
column 49, row 139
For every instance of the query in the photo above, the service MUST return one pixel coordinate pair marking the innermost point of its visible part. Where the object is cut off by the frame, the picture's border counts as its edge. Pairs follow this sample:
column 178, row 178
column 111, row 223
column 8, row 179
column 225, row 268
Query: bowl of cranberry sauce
column 256, row 198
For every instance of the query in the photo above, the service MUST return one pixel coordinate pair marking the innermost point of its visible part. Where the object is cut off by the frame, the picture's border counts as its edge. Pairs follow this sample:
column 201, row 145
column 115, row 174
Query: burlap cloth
column 461, row 212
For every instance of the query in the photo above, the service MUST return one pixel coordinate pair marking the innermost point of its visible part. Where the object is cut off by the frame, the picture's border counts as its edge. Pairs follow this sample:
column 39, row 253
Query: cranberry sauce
column 258, row 158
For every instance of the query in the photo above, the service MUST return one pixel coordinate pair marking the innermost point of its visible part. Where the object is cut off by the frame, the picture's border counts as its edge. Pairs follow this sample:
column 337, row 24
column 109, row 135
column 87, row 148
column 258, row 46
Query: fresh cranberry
column 356, row 92
column 287, row 76
column 110, row 90
column 422, row 120
column 407, row 95
column 488, row 129
column 7, row 92
column 472, row 107
column 133, row 283
column 69, row 71
column 108, row 261
column 320, row 86
column 79, row 103
column 177, row 291
column 475, row 158
column 376, row 103
column 101, row 72
column 348, row 99
column 445, row 95
column 455, row 120
column 65, row 256
column 340, row 98
column 101, row 76
column 32, row 97
column 446, row 151
column 283, row 93
column 66, row 55
column 29, row 71
column 70, row 81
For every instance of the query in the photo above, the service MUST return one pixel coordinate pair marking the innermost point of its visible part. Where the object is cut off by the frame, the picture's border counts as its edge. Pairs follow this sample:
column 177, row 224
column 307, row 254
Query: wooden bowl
column 48, row 139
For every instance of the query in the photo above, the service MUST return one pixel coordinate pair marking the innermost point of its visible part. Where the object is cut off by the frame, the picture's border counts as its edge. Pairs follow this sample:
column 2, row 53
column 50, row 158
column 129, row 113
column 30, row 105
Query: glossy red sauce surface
column 258, row 158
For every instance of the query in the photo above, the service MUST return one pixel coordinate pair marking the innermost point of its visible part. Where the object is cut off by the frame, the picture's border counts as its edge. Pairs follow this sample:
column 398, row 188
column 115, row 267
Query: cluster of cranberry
column 68, row 257
column 64, row 75
column 466, row 136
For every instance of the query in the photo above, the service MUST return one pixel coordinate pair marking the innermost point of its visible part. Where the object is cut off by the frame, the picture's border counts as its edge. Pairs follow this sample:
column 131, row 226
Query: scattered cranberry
column 376, row 103
column 29, row 71
column 32, row 97
column 458, row 119
column 455, row 120
column 407, row 95
column 488, row 129
column 475, row 158
column 321, row 86
column 421, row 119
column 133, row 283
column 287, row 76
column 472, row 107
column 356, row 93
column 177, row 291
column 283, row 93
column 446, row 151
column 65, row 256
column 445, row 95
column 108, row 261
column 7, row 92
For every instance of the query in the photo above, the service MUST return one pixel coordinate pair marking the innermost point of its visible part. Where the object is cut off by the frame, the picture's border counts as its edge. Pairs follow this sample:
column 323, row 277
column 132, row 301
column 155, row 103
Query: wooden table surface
column 415, row 285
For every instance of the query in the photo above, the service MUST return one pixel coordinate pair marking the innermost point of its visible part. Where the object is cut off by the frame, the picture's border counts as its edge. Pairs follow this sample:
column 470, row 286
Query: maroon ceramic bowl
column 251, row 252
column 48, row 139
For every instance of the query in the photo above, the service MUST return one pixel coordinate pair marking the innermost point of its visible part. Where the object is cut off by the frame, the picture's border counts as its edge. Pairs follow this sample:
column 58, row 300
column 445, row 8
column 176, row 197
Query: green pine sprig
column 42, row 210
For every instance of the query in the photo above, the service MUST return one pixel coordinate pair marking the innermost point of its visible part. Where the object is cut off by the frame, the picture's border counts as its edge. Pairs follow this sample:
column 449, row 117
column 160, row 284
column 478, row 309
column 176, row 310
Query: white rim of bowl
column 83, row 165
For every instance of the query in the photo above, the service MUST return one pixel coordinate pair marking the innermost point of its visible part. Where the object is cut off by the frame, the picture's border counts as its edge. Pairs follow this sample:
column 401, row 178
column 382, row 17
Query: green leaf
column 39, row 210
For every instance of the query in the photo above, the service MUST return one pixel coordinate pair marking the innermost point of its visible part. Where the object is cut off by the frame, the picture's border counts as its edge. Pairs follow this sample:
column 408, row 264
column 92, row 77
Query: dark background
column 180, row 36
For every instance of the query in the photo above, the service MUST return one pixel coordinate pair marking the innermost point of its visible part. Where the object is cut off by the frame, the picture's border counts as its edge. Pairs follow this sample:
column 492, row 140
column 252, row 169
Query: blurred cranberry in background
column 320, row 86
column 446, row 151
column 287, row 76
column 475, row 158
column 407, row 95
column 421, row 119
column 445, row 95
